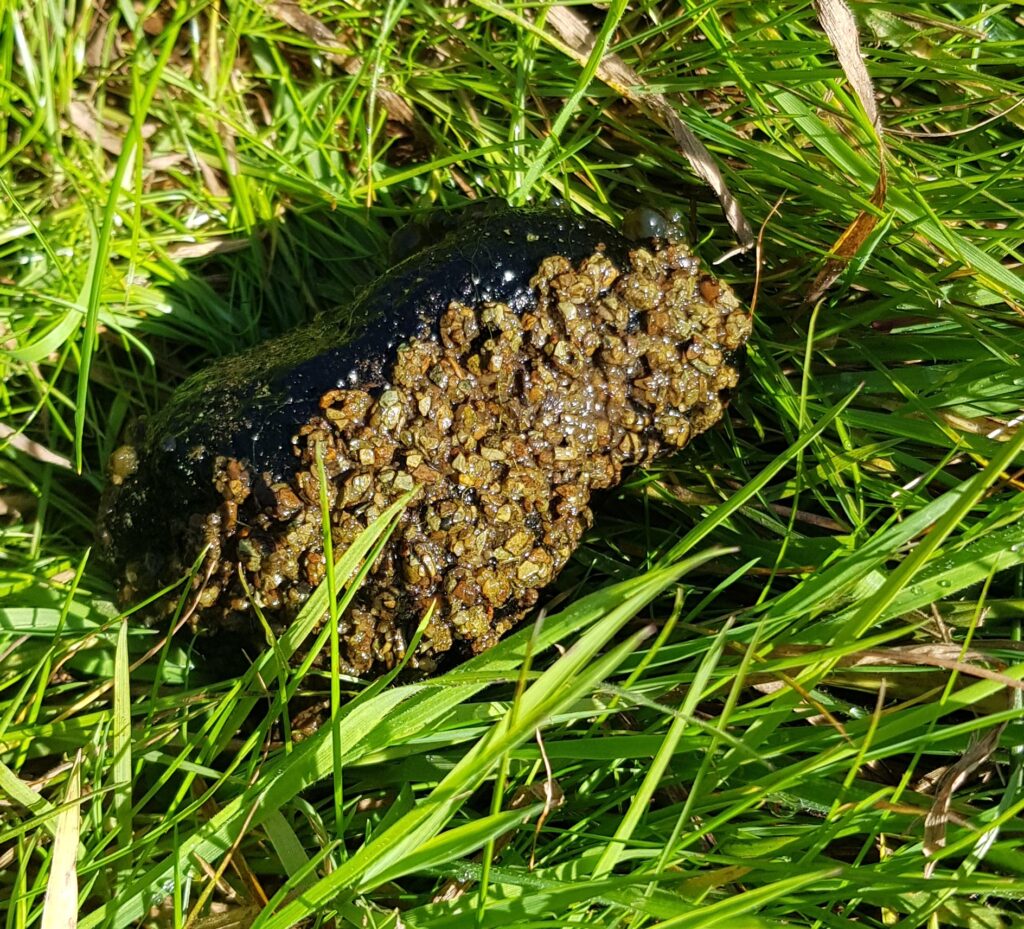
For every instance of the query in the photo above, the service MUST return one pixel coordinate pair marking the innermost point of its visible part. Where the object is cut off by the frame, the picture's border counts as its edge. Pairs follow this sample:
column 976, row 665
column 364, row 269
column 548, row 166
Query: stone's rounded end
column 643, row 223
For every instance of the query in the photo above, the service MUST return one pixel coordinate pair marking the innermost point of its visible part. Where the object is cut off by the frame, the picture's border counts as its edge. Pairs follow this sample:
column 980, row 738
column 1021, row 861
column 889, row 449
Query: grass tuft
column 780, row 683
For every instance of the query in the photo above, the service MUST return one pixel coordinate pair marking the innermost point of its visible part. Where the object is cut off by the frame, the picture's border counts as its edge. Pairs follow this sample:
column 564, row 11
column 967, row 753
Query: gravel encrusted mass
column 504, row 427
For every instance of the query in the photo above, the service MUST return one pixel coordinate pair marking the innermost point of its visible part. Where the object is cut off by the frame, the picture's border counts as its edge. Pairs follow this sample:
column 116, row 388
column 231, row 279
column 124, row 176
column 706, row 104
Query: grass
column 782, row 686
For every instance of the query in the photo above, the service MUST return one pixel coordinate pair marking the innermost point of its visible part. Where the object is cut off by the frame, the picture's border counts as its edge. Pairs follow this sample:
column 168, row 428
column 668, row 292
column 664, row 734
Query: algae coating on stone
column 504, row 395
